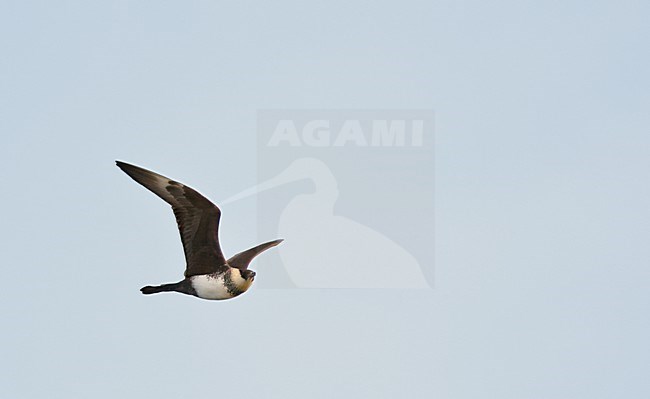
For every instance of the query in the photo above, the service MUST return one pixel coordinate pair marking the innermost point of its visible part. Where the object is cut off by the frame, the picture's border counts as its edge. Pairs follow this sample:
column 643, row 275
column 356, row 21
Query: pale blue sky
column 542, row 171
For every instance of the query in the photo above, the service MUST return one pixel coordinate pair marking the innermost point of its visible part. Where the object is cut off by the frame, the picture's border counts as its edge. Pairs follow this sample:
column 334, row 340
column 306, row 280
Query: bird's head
column 244, row 280
column 247, row 275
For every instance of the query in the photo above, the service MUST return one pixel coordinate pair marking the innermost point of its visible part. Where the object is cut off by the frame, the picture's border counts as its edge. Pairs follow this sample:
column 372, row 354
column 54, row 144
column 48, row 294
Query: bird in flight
column 208, row 274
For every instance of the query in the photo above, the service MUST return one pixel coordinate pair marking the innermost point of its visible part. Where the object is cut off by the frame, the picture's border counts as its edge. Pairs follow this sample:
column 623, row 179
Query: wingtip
column 125, row 166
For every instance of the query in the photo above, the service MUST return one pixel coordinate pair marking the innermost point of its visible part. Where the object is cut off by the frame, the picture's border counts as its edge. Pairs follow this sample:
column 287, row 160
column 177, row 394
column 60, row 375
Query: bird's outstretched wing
column 243, row 259
column 196, row 216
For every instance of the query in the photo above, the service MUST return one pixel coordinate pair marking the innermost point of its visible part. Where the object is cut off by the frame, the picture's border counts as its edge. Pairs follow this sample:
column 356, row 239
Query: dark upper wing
column 243, row 259
column 197, row 218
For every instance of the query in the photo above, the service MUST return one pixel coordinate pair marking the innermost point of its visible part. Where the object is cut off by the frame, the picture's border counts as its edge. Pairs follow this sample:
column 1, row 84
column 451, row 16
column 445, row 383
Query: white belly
column 210, row 287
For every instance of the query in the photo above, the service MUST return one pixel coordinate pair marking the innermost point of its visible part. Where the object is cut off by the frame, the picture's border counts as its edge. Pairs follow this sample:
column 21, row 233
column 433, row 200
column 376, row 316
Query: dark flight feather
column 196, row 216
column 243, row 259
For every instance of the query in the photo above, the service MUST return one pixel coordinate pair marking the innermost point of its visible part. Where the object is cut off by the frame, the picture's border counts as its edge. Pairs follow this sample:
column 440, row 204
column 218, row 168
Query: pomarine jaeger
column 208, row 274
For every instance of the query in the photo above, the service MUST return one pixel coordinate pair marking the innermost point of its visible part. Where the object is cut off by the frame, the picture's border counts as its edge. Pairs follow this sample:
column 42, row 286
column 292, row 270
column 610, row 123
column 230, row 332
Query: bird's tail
column 159, row 288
